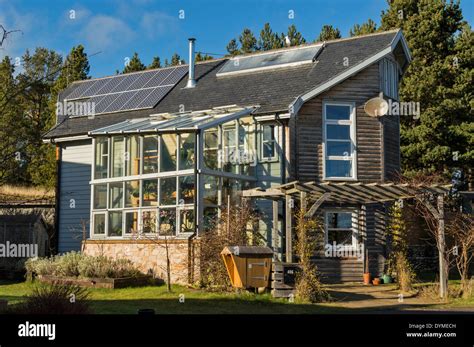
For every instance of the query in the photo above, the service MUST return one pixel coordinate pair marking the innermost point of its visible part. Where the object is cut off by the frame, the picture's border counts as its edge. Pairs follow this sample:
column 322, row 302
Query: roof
column 21, row 219
column 273, row 90
column 178, row 122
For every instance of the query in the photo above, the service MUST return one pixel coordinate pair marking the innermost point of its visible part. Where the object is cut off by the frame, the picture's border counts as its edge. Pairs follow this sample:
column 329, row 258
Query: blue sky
column 118, row 28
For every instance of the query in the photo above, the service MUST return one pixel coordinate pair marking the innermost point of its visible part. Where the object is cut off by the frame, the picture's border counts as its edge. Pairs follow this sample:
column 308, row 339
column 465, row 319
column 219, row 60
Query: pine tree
column 248, row 42
column 176, row 60
column 268, row 39
column 233, row 47
column 202, row 57
column 368, row 27
column 155, row 64
column 294, row 36
column 135, row 64
column 328, row 32
column 440, row 78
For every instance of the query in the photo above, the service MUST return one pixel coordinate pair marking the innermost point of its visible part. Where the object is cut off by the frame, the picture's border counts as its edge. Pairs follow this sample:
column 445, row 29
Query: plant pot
column 376, row 281
column 366, row 278
column 387, row 279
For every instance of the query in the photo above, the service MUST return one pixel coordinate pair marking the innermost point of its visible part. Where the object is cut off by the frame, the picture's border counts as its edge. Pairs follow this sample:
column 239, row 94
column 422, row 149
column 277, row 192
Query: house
column 158, row 152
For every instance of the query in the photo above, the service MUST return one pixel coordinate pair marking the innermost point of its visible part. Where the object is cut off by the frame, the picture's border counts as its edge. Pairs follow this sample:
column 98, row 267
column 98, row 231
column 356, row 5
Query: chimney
column 191, row 80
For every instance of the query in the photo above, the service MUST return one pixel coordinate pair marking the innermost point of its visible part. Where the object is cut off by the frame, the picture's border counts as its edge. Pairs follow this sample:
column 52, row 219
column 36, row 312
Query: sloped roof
column 273, row 90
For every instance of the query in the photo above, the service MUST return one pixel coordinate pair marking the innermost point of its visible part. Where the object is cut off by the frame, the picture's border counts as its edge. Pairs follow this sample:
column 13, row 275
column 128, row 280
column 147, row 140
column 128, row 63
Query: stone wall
column 150, row 256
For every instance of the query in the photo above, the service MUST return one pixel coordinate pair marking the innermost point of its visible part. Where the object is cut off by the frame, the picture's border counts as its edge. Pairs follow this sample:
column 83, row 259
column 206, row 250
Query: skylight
column 270, row 60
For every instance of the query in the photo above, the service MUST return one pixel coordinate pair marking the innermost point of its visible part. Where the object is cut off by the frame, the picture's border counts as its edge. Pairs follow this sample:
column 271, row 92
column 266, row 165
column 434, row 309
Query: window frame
column 353, row 138
column 354, row 228
column 276, row 131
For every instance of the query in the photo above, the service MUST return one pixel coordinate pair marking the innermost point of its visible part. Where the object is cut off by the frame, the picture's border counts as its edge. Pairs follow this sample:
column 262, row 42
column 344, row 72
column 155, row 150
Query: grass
column 129, row 300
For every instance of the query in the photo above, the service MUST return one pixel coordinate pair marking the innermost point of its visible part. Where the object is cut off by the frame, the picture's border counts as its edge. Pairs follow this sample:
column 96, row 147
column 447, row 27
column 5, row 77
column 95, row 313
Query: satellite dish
column 376, row 107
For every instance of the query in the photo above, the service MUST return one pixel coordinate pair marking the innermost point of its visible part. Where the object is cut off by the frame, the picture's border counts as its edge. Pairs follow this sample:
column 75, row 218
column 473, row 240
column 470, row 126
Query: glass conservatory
column 168, row 174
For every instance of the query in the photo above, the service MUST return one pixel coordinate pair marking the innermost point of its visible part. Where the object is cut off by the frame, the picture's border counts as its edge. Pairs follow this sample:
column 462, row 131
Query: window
column 132, row 194
column 118, row 156
column 150, row 192
column 268, row 144
column 186, row 190
column 149, row 225
column 230, row 147
column 339, row 146
column 116, row 195
column 132, row 156
column 211, row 187
column 167, row 221
column 100, row 196
column 150, row 154
column 186, row 219
column 101, row 158
column 186, row 151
column 99, row 223
column 115, row 223
column 168, row 191
column 339, row 228
column 168, row 152
column 131, row 222
column 211, row 146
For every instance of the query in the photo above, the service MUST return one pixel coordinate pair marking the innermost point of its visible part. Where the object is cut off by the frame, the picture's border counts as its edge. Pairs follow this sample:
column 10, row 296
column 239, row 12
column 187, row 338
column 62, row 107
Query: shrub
column 55, row 299
column 68, row 264
column 104, row 267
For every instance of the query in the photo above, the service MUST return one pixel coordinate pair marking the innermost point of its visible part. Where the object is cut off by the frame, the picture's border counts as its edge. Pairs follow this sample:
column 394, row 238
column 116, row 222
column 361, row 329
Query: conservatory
column 168, row 174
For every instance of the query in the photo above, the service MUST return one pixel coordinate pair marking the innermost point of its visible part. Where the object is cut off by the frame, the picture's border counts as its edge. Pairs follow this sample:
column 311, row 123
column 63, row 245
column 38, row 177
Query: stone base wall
column 150, row 256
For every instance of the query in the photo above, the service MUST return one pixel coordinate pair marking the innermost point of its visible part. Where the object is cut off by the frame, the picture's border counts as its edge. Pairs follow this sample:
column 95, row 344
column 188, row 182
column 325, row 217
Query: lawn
column 349, row 298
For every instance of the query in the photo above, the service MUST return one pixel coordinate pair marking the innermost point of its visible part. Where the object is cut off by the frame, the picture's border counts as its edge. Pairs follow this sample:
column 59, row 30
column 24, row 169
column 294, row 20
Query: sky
column 112, row 30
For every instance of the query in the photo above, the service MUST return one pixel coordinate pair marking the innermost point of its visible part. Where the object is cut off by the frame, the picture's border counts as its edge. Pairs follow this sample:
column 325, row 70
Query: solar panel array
column 126, row 92
column 269, row 60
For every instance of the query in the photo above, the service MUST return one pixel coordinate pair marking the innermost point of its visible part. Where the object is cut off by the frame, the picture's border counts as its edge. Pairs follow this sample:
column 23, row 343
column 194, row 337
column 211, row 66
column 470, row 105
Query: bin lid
column 247, row 250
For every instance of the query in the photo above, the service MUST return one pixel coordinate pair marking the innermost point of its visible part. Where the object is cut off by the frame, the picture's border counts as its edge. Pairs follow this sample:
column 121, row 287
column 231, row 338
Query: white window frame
column 352, row 123
column 354, row 228
column 276, row 131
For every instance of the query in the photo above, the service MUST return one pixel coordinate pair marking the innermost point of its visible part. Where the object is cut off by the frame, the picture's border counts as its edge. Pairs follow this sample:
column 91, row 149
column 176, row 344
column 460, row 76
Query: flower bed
column 111, row 283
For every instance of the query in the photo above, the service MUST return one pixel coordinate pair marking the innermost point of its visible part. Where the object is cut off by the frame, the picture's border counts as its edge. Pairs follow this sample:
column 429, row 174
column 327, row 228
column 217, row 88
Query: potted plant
column 376, row 281
column 366, row 267
column 387, row 278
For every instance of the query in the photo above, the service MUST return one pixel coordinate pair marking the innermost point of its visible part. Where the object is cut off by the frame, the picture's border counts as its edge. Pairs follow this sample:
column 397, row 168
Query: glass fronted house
column 167, row 175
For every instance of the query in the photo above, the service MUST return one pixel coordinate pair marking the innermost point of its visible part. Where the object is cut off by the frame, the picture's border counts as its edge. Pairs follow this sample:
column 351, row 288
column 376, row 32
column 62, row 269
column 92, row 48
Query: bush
column 75, row 264
column 55, row 299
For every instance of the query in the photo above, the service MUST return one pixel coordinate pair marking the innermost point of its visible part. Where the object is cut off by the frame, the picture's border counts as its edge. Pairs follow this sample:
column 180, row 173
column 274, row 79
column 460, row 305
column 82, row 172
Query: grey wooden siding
column 391, row 146
column 74, row 184
column 308, row 136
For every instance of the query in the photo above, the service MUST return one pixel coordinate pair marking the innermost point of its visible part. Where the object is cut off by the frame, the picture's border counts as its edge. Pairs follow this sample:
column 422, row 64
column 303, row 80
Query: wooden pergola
column 352, row 193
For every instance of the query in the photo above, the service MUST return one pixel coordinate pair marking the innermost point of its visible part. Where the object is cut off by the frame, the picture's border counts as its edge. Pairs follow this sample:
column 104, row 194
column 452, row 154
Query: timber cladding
column 307, row 138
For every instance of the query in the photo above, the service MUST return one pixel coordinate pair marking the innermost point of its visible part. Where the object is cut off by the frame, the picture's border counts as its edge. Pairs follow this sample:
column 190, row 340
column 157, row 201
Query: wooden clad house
column 163, row 149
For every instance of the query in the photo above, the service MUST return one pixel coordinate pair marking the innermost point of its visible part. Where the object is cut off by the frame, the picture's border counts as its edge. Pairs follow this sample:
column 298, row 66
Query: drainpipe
column 191, row 79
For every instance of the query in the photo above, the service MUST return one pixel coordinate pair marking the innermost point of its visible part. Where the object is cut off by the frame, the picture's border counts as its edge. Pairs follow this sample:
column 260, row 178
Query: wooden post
column 288, row 227
column 275, row 229
column 443, row 271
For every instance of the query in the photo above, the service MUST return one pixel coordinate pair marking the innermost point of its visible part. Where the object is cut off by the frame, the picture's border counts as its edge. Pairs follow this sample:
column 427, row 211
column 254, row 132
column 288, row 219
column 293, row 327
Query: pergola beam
column 312, row 210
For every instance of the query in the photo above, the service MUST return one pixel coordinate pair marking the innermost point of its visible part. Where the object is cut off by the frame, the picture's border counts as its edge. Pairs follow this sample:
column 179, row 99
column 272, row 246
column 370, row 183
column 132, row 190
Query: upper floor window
column 268, row 140
column 339, row 140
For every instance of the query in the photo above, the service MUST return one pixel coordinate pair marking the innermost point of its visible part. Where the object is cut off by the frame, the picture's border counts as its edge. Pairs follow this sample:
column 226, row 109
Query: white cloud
column 156, row 24
column 106, row 33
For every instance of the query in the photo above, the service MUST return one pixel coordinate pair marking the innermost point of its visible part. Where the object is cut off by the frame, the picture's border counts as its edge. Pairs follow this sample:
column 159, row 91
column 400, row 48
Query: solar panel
column 270, row 60
column 127, row 92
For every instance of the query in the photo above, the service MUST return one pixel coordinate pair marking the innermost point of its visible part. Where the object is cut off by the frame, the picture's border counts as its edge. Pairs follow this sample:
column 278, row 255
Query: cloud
column 156, row 24
column 106, row 33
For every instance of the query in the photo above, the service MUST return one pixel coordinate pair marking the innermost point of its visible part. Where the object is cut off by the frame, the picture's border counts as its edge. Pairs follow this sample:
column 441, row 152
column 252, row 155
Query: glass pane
column 338, row 132
column 133, row 156
column 167, row 221
column 210, row 217
column 338, row 112
column 101, row 157
column 211, row 186
column 150, row 192
column 230, row 188
column 150, row 154
column 268, row 132
column 168, row 191
column 99, row 223
column 338, row 148
column 100, row 196
column 340, row 220
column 338, row 168
column 186, row 151
column 247, row 149
column 268, row 149
column 186, row 190
column 186, row 221
column 118, row 156
column 132, row 194
column 230, row 149
column 168, row 152
column 116, row 195
column 115, row 223
column 211, row 149
column 149, row 222
column 341, row 237
column 131, row 222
